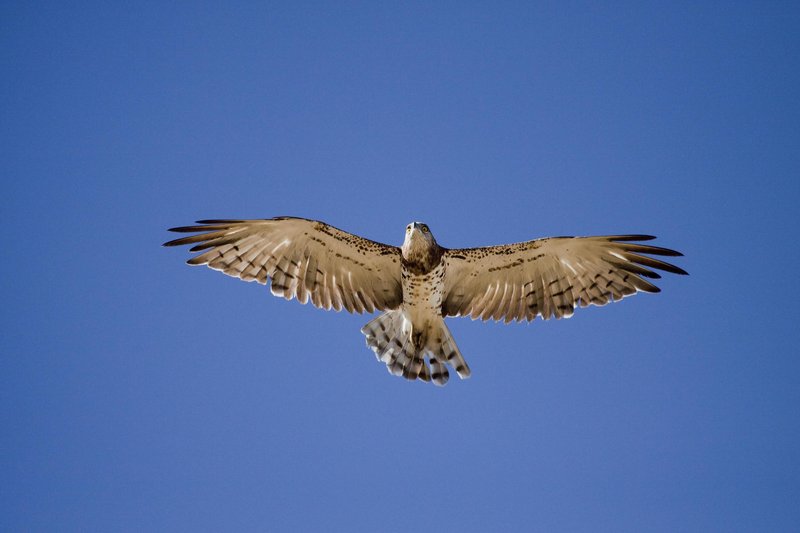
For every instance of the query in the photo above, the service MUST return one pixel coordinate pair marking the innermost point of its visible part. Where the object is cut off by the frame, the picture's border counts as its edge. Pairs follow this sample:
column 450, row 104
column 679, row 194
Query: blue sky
column 139, row 394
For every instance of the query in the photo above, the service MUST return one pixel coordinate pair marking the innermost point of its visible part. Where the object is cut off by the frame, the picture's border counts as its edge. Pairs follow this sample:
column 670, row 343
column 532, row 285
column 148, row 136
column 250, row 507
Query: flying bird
column 419, row 284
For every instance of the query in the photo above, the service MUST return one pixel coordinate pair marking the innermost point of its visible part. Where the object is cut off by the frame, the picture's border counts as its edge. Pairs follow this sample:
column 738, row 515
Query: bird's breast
column 422, row 293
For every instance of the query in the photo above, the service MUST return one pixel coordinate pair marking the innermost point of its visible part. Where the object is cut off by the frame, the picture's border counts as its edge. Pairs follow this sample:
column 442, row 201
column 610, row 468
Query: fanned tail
column 389, row 336
column 443, row 349
column 390, row 339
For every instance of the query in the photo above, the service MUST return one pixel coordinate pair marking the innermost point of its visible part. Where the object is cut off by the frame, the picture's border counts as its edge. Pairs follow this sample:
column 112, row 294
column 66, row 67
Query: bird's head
column 419, row 244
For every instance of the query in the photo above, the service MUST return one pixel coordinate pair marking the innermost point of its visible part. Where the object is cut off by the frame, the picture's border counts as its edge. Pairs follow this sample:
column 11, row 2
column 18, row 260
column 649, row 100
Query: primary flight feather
column 420, row 283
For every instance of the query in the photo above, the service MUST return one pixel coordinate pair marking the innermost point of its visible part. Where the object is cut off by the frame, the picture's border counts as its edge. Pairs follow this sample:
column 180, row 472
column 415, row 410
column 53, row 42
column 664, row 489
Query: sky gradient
column 139, row 394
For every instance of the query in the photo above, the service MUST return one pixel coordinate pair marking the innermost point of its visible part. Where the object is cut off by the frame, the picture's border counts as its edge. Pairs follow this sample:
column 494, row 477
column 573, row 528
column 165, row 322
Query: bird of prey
column 419, row 284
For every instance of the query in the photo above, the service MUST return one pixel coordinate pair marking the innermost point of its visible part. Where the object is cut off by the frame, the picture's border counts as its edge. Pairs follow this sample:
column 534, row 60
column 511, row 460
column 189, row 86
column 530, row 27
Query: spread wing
column 549, row 277
column 305, row 259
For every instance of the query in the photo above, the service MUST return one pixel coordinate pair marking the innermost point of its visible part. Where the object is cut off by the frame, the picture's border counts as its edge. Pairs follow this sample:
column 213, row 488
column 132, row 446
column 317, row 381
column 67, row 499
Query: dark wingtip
column 648, row 287
column 634, row 238
column 181, row 241
column 656, row 250
column 210, row 222
column 187, row 229
column 218, row 221
column 173, row 242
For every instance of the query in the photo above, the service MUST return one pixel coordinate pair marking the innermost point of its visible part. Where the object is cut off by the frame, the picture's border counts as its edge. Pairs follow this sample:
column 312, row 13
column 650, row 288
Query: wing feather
column 303, row 259
column 550, row 277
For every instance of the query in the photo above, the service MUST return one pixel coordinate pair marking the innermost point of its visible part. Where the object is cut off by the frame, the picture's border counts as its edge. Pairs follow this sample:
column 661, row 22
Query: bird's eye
column 424, row 229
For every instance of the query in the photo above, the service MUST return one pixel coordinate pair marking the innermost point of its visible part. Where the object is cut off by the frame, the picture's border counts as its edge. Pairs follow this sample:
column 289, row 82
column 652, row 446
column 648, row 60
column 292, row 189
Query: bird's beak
column 414, row 226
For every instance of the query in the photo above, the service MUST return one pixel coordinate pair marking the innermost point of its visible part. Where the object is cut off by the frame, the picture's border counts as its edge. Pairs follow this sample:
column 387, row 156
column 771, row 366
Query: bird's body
column 423, row 283
column 422, row 302
column 403, row 337
column 420, row 283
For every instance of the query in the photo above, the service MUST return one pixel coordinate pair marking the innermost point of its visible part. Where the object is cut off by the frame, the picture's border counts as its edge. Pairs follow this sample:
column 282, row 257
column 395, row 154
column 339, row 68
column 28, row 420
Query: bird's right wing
column 548, row 277
column 305, row 259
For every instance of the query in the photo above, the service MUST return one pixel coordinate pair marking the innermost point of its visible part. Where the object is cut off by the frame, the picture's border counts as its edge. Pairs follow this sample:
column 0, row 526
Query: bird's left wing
column 548, row 277
column 305, row 259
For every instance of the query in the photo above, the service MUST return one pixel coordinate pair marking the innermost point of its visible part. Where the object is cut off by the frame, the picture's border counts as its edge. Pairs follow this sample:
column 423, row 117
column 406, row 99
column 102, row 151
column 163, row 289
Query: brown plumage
column 304, row 259
column 420, row 283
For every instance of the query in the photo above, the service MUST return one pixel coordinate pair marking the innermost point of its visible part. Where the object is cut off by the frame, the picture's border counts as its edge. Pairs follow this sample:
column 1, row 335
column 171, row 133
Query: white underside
column 422, row 301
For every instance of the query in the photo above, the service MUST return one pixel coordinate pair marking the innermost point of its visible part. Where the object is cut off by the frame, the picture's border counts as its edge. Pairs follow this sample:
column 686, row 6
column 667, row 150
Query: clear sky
column 139, row 394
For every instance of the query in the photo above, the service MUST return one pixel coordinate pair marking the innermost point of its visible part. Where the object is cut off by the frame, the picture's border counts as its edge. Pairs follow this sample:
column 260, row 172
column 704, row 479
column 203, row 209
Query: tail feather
column 389, row 336
column 424, row 371
column 444, row 349
column 403, row 360
column 439, row 373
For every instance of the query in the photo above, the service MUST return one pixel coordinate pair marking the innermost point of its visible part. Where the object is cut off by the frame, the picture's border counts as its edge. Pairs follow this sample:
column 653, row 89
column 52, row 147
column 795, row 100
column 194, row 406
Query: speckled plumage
column 420, row 283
